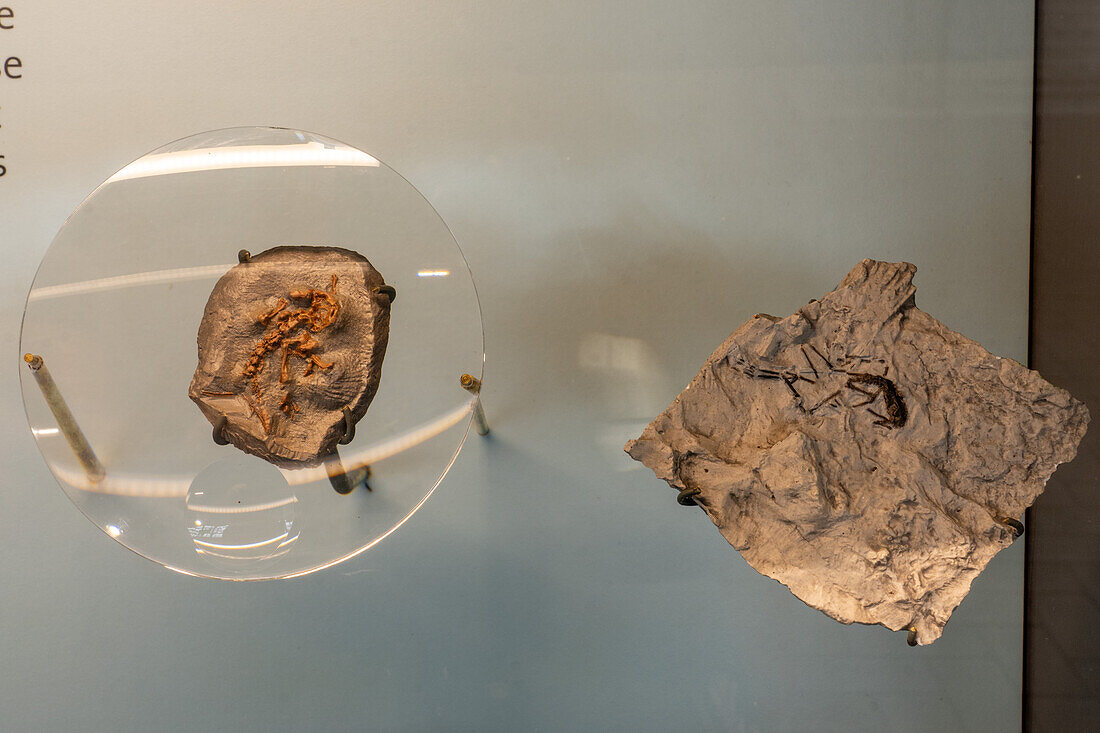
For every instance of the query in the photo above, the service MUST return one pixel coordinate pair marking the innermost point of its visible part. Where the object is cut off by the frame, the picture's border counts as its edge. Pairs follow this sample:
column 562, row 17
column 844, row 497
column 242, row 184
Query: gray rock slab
column 862, row 453
column 288, row 340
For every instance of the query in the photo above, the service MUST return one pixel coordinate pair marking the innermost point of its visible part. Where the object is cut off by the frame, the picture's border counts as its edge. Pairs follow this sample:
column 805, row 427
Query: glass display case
column 631, row 183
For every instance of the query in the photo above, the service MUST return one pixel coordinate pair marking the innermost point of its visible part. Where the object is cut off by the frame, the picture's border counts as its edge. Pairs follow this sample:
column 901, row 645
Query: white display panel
column 629, row 183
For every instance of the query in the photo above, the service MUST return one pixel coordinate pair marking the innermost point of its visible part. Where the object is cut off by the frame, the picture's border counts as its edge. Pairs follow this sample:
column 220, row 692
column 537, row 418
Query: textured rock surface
column 863, row 454
column 287, row 341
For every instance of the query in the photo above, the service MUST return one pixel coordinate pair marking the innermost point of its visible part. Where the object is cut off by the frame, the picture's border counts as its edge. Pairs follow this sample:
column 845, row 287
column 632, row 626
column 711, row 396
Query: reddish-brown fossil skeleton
column 290, row 351
column 320, row 314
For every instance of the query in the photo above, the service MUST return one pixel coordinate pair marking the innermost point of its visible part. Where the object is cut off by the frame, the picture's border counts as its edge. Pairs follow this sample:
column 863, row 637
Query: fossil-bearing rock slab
column 289, row 339
column 862, row 453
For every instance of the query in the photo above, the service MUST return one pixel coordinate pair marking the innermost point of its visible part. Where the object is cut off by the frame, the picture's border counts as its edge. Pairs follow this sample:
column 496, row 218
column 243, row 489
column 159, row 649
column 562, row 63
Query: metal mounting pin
column 472, row 385
column 66, row 423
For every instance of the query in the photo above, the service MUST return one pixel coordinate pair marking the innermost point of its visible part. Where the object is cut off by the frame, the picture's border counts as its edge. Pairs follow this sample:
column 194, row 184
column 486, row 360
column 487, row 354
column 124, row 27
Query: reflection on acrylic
column 241, row 511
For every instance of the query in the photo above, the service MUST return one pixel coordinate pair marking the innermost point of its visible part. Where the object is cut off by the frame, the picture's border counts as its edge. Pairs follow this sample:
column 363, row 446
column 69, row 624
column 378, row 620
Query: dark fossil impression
column 290, row 351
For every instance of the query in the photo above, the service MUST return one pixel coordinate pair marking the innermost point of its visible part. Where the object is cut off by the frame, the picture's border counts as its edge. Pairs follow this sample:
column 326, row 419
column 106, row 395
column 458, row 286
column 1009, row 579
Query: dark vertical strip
column 1062, row 561
column 1025, row 703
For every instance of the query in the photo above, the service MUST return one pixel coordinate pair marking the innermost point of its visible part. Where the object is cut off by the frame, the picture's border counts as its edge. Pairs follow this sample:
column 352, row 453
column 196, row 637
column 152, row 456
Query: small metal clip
column 689, row 497
column 349, row 428
column 387, row 290
column 219, row 428
column 244, row 256
column 911, row 638
column 1015, row 525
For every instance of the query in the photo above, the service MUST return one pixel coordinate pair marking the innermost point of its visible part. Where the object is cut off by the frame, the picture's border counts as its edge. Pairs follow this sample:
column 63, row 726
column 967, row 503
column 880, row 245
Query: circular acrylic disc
column 115, row 311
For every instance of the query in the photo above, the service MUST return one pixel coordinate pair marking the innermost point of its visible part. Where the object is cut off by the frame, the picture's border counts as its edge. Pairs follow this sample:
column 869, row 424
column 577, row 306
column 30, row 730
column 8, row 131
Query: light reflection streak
column 135, row 279
column 381, row 451
column 44, row 431
column 248, row 546
column 433, row 273
column 280, row 550
column 284, row 543
column 243, row 156
column 129, row 281
column 157, row 487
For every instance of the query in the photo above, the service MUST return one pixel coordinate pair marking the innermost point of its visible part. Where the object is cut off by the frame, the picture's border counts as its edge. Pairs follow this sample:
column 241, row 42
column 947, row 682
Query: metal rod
column 1015, row 525
column 473, row 385
column 66, row 423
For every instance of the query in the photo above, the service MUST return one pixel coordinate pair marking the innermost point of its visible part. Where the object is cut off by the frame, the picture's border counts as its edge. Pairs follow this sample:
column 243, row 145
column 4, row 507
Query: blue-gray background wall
column 630, row 181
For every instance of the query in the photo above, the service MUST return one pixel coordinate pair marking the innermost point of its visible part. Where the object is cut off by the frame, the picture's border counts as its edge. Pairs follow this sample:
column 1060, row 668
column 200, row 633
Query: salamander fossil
column 896, row 412
column 871, row 386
